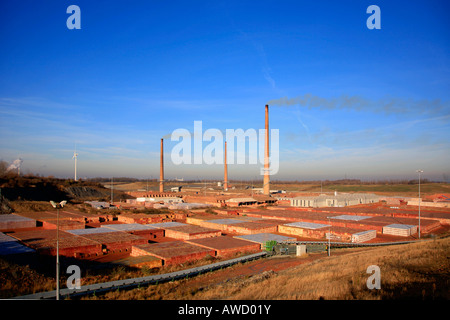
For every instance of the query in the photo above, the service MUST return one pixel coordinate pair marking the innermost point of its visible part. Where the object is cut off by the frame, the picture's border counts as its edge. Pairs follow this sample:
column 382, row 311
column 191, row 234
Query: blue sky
column 137, row 70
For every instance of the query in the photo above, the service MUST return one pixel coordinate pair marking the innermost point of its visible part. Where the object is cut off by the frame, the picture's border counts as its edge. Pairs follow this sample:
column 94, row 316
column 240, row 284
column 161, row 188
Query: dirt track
column 257, row 267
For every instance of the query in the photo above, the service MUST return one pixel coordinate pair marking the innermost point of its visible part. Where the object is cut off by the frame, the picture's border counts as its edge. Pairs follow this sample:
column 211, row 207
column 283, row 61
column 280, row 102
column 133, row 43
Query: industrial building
column 336, row 200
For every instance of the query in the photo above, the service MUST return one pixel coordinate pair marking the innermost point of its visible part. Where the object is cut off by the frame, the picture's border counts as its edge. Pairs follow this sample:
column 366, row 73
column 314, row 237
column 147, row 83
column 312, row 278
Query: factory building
column 336, row 200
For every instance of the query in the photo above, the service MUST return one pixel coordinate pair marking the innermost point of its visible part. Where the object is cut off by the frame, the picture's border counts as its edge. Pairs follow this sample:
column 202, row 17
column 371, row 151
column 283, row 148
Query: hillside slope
column 413, row 271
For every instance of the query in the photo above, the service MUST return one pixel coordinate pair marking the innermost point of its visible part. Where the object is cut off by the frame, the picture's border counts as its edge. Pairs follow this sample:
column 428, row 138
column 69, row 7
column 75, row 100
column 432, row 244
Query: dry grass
column 417, row 271
column 18, row 280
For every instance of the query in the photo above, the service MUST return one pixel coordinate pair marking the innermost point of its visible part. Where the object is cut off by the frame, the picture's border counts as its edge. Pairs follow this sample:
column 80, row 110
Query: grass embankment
column 413, row 271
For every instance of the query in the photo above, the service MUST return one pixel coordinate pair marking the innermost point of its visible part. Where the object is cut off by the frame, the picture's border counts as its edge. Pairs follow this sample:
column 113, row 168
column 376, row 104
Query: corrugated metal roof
column 264, row 237
column 350, row 217
column 90, row 231
column 400, row 226
column 13, row 217
column 162, row 225
column 9, row 245
column 307, row 225
column 128, row 227
column 226, row 221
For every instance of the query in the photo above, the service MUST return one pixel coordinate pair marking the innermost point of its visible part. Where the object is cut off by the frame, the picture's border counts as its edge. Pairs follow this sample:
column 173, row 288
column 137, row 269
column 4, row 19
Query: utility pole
column 329, row 236
column 57, row 206
column 112, row 190
column 420, row 200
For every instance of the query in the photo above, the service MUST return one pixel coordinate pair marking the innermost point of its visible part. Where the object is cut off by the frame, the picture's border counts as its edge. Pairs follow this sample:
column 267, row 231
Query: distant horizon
column 220, row 179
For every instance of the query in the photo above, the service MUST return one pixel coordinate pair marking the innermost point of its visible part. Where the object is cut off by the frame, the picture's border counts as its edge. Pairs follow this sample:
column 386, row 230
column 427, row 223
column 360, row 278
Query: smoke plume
column 15, row 165
column 357, row 103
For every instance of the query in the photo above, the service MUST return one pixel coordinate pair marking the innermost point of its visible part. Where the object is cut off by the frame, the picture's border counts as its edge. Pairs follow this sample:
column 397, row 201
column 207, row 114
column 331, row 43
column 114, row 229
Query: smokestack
column 266, row 185
column 225, row 182
column 161, row 168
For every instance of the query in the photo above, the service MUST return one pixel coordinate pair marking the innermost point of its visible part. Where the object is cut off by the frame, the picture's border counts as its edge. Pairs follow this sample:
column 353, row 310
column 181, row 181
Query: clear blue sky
column 137, row 70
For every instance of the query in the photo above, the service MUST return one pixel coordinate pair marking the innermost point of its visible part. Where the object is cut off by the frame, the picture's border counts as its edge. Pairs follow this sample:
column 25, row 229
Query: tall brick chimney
column 266, row 185
column 225, row 182
column 161, row 168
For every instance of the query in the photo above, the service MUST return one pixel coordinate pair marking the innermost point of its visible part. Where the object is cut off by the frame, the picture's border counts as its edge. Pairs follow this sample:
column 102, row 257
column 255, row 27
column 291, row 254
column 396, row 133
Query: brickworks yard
column 186, row 236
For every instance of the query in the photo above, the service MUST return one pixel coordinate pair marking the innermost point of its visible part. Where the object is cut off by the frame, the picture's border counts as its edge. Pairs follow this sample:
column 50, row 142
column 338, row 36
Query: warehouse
column 336, row 200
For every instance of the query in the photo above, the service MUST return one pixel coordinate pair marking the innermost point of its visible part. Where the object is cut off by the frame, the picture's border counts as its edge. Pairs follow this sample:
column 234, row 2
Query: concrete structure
column 227, row 247
column 173, row 252
column 301, row 250
column 337, row 200
column 12, row 222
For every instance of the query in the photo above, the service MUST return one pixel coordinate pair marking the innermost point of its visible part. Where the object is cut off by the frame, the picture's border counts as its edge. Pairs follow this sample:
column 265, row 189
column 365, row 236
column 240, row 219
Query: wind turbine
column 75, row 155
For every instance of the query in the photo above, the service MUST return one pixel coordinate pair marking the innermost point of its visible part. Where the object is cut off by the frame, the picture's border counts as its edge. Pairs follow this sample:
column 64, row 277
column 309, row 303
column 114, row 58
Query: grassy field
column 404, row 189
